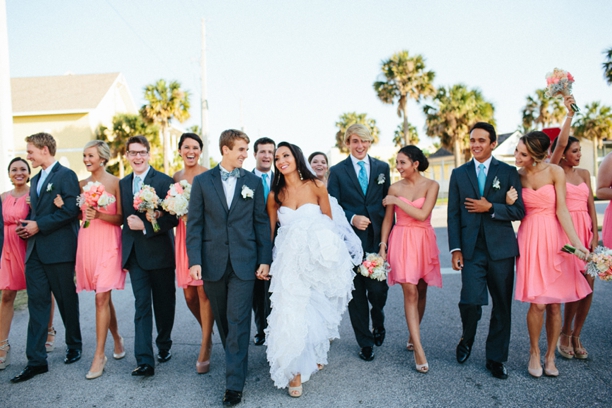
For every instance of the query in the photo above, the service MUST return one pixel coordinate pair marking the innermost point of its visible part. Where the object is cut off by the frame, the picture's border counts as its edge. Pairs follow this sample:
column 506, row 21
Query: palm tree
column 399, row 137
column 540, row 111
column 125, row 126
column 594, row 123
column 607, row 66
column 350, row 118
column 454, row 111
column 165, row 102
column 404, row 77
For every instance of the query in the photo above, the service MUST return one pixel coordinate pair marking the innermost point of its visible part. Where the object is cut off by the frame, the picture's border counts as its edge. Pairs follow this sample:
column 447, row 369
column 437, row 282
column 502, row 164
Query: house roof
column 441, row 152
column 60, row 94
column 502, row 138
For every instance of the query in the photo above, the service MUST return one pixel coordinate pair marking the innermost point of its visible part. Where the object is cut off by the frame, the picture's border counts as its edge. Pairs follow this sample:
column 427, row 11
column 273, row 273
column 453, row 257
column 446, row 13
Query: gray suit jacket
column 463, row 226
column 344, row 186
column 153, row 250
column 56, row 242
column 216, row 234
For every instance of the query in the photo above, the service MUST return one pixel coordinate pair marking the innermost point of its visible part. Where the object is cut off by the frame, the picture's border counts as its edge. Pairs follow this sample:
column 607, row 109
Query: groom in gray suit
column 228, row 245
column 51, row 233
column 483, row 244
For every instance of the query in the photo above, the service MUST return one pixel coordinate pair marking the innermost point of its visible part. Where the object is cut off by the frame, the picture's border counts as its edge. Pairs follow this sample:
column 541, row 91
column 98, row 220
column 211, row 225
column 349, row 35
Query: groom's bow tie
column 227, row 174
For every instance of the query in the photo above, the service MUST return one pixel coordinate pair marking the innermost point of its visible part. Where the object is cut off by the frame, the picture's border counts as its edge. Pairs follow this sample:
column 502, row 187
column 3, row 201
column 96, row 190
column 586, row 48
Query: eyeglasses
column 141, row 153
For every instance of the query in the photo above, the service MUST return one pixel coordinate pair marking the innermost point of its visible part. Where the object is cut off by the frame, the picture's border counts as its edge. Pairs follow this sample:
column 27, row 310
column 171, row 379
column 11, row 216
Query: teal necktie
column 266, row 186
column 137, row 185
column 482, row 177
column 363, row 177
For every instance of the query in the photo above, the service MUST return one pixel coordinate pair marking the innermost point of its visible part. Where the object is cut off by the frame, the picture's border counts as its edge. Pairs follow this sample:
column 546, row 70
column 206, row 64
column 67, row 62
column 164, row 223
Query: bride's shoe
column 6, row 360
column 295, row 392
column 565, row 351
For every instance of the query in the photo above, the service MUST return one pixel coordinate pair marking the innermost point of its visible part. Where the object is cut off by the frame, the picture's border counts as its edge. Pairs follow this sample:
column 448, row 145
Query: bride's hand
column 263, row 272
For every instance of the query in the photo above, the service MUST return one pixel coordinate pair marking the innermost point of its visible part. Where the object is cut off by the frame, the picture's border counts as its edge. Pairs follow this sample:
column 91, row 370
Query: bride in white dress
column 312, row 271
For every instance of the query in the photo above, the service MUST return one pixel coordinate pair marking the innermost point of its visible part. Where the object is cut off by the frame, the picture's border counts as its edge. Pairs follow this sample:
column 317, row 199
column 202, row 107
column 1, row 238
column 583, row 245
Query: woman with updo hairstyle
column 190, row 148
column 545, row 276
column 320, row 165
column 412, row 250
column 15, row 207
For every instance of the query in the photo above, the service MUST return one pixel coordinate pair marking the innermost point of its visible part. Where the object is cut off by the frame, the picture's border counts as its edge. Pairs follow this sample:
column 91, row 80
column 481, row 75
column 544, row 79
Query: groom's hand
column 135, row 223
column 477, row 206
column 457, row 260
column 262, row 272
column 361, row 222
column 195, row 272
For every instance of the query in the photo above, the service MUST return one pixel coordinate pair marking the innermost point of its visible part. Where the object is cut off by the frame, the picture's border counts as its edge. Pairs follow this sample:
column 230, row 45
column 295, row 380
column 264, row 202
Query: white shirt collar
column 144, row 174
column 49, row 168
column 259, row 173
column 486, row 163
column 366, row 160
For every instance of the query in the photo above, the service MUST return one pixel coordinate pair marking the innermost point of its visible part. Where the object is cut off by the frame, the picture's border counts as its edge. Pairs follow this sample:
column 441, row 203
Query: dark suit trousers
column 375, row 292
column 261, row 304
column 231, row 300
column 41, row 280
column 151, row 286
column 478, row 274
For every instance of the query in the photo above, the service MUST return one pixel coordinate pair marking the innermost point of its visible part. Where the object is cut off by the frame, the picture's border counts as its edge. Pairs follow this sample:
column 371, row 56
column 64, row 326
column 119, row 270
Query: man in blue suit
column 228, row 245
column 483, row 244
column 51, row 233
column 264, row 159
column 148, row 255
column 360, row 183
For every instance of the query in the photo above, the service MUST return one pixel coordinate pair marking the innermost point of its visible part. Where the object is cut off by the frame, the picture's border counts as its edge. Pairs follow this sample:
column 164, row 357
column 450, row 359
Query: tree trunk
column 457, row 152
column 595, row 166
column 121, row 166
column 406, row 137
column 166, row 145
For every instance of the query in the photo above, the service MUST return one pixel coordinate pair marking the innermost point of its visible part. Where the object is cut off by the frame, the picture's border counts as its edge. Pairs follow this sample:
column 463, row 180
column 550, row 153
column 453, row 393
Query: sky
column 288, row 69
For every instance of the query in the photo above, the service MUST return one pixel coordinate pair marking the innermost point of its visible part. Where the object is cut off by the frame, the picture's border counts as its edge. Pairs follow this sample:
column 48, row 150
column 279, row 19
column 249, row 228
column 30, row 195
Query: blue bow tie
column 227, row 174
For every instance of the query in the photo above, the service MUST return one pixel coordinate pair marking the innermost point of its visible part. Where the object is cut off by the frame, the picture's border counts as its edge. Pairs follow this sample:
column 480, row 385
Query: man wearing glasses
column 149, row 257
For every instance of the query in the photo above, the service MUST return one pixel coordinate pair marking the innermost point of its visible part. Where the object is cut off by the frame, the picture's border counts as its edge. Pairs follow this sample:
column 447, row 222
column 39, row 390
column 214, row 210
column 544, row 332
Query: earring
column 101, row 164
column 300, row 173
column 535, row 163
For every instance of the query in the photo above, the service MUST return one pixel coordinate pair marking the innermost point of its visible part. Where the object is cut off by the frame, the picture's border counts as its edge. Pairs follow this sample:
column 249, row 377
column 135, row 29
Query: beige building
column 70, row 107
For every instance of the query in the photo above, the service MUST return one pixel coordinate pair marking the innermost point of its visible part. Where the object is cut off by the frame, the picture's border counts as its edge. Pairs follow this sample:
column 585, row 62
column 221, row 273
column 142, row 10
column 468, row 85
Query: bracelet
column 569, row 117
column 382, row 243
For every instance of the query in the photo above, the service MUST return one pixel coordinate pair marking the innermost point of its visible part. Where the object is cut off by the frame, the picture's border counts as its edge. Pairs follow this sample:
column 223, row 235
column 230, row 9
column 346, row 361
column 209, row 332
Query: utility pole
column 204, row 159
column 7, row 144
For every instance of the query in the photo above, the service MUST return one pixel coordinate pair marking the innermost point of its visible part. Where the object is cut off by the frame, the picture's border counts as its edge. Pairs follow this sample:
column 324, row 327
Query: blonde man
column 360, row 183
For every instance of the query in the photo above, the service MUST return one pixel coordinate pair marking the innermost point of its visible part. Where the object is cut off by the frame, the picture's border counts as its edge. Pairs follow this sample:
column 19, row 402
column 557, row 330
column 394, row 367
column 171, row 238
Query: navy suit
column 229, row 244
column 149, row 258
column 50, row 259
column 488, row 245
column 344, row 186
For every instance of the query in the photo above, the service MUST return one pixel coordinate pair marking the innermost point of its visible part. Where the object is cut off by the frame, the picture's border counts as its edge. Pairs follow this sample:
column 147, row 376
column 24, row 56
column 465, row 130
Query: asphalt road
column 388, row 381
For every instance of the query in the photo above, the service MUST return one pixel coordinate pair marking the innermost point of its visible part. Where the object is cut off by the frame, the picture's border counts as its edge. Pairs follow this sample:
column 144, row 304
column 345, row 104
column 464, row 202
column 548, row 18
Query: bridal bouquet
column 177, row 199
column 560, row 82
column 146, row 200
column 374, row 267
column 94, row 196
column 599, row 262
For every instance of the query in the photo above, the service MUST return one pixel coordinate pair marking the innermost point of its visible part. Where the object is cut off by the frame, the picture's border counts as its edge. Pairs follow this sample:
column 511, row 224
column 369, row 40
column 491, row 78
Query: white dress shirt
column 43, row 176
column 229, row 187
column 487, row 164
column 357, row 167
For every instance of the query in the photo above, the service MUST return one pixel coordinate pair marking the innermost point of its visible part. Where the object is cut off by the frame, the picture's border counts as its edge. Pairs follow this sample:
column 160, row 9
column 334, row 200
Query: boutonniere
column 495, row 183
column 246, row 192
column 381, row 178
column 49, row 187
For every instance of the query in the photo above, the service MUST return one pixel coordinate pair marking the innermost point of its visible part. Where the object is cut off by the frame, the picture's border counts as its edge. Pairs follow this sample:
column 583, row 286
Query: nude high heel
column 6, row 360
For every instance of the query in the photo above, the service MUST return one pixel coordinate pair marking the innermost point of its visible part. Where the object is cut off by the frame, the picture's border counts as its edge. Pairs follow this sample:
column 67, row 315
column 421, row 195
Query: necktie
column 363, row 177
column 227, row 174
column 266, row 186
column 482, row 177
column 41, row 181
column 137, row 184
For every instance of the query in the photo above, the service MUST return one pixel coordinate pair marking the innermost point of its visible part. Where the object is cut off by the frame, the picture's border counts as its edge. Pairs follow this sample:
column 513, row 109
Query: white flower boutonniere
column 495, row 183
column 49, row 186
column 381, row 178
column 246, row 192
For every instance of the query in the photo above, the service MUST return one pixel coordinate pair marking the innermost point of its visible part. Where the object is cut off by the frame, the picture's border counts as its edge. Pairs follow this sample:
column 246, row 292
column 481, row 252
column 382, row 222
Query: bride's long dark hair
column 279, row 183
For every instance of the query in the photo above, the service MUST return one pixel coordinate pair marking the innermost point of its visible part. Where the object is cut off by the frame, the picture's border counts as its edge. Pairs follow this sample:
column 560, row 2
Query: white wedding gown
column 312, row 281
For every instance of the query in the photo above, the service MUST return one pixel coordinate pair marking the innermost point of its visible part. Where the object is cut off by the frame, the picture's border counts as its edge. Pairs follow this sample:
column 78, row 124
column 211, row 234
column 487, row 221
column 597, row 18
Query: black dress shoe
column 497, row 369
column 367, row 353
column 72, row 355
column 259, row 339
column 379, row 335
column 463, row 351
column 164, row 355
column 143, row 370
column 232, row 398
column 29, row 372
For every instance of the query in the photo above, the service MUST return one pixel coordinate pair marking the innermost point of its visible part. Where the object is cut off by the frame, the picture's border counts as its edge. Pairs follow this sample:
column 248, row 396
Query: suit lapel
column 493, row 167
column 238, row 190
column 48, row 181
column 373, row 176
column 218, row 186
column 471, row 175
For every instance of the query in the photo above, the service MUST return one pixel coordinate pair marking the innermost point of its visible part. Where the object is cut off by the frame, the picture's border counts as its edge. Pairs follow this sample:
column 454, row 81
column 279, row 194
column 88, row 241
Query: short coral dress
column 12, row 276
